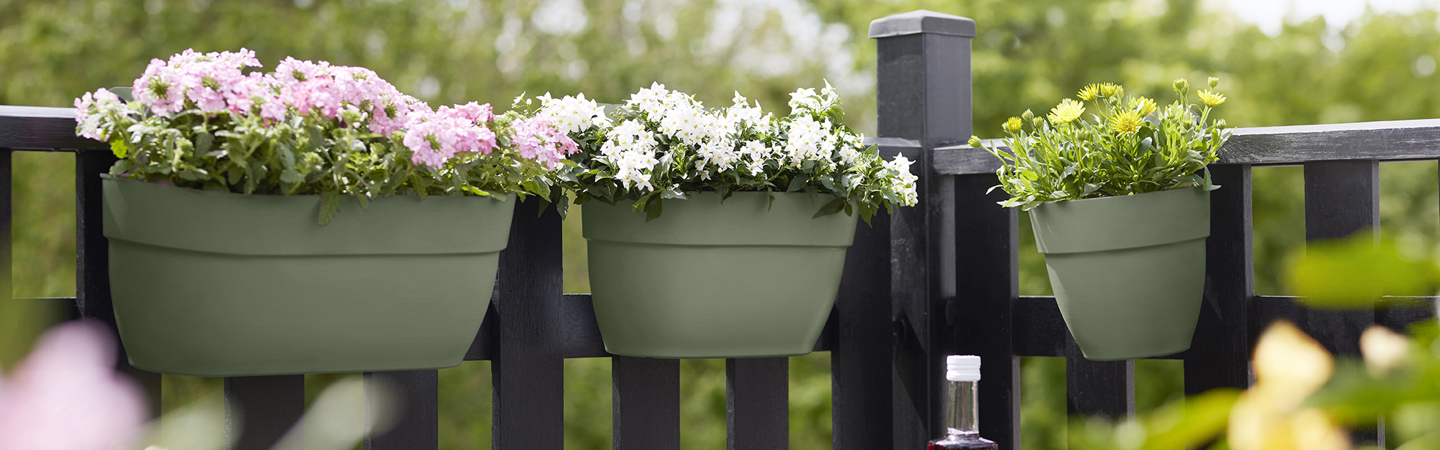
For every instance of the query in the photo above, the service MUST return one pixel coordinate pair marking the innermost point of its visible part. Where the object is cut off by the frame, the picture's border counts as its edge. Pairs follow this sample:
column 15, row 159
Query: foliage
column 1129, row 147
column 664, row 144
column 1026, row 54
column 198, row 121
column 1356, row 271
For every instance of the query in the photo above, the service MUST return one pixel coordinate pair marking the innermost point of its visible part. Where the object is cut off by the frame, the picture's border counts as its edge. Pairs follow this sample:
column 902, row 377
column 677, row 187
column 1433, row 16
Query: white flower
column 572, row 114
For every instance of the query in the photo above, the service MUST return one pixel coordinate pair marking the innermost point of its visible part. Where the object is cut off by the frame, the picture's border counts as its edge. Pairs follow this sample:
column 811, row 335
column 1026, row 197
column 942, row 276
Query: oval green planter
column 221, row 284
column 1129, row 271
column 742, row 278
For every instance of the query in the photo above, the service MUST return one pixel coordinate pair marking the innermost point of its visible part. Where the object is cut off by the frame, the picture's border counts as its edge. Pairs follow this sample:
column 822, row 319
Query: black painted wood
column 757, row 403
column 646, row 403
column 1397, row 140
column 923, row 94
column 42, row 128
column 1098, row 388
column 982, row 314
column 1399, row 313
column 528, row 371
column 1039, row 330
column 261, row 410
column 92, row 260
column 410, row 402
column 860, row 376
column 1342, row 198
column 582, row 332
column 1219, row 354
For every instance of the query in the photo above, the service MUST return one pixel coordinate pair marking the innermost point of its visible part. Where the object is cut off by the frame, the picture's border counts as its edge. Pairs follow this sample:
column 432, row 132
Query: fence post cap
column 922, row 21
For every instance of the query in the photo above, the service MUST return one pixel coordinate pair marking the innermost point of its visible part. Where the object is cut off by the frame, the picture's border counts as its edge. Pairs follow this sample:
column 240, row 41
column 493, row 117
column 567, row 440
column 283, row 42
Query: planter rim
column 746, row 218
column 286, row 225
column 1108, row 223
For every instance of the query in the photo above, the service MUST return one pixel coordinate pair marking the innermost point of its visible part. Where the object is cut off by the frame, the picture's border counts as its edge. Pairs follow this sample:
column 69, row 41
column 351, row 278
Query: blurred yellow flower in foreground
column 1289, row 366
column 1384, row 350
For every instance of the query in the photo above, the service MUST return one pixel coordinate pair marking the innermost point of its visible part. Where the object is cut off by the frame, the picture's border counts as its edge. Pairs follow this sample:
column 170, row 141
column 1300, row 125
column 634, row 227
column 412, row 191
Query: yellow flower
column 1127, row 122
column 1211, row 98
column 1088, row 93
column 1111, row 90
column 1289, row 366
column 1012, row 125
column 1067, row 111
column 1143, row 105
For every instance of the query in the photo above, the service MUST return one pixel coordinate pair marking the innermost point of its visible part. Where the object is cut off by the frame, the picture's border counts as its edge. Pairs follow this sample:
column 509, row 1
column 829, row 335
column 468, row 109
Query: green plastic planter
column 221, row 284
column 1129, row 271
column 708, row 279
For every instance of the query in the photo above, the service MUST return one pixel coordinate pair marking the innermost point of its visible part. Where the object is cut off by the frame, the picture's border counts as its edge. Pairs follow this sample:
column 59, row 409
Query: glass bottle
column 962, row 422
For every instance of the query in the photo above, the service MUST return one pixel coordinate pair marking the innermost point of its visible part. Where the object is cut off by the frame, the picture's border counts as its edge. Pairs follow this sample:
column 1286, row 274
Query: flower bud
column 1027, row 115
column 1013, row 125
column 1181, row 85
column 975, row 141
column 1214, row 81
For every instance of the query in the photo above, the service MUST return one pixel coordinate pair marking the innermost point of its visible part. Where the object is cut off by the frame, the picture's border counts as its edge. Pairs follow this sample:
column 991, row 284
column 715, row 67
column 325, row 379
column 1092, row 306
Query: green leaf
column 291, row 176
column 329, row 206
column 119, row 147
column 798, row 183
column 652, row 208
column 833, row 207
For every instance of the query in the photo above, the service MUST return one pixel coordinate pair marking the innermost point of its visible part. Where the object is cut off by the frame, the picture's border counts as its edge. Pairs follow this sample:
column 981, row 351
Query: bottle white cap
column 962, row 368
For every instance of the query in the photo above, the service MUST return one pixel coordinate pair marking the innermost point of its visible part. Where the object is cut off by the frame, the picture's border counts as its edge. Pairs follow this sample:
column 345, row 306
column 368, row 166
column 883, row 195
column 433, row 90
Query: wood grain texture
column 923, row 94
column 864, row 343
column 42, row 128
column 1219, row 353
column 528, row 368
column 261, row 410
column 1396, row 140
column 92, row 262
column 646, row 403
column 757, row 403
column 413, row 409
column 1098, row 388
column 982, row 312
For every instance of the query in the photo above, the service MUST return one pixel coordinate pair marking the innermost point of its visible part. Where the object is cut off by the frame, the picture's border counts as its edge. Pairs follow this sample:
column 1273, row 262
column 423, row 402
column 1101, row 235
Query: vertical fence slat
column 260, row 410
column 757, row 403
column 987, row 284
column 92, row 260
column 1220, row 352
column 646, row 402
column 860, row 362
column 922, row 94
column 1098, row 388
column 415, row 413
column 1342, row 198
column 528, row 369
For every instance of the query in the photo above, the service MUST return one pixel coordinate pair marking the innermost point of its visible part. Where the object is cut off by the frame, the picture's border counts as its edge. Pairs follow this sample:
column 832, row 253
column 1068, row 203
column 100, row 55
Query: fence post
column 92, row 261
column 922, row 94
column 528, row 367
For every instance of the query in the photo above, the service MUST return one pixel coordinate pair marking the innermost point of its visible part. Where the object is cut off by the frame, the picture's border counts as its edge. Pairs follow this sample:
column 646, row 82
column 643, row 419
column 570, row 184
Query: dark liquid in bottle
column 946, row 444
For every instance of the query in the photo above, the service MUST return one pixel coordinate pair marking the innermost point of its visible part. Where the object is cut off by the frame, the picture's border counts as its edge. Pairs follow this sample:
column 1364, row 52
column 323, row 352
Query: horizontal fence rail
column 923, row 282
column 1395, row 140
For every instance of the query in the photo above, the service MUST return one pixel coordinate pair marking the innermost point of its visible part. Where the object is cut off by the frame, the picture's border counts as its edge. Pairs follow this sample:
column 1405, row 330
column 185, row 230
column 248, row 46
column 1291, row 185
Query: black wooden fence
column 936, row 279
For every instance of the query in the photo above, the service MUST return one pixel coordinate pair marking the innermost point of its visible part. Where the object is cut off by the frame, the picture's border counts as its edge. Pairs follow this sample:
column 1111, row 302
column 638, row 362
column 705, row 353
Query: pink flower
column 66, row 395
column 540, row 140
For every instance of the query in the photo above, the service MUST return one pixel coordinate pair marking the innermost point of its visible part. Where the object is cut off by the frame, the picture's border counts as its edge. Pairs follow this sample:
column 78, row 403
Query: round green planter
column 742, row 278
column 221, row 284
column 1129, row 271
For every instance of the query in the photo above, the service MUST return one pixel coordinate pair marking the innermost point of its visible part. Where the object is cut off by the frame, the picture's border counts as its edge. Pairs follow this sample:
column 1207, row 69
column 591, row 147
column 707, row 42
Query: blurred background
column 1281, row 63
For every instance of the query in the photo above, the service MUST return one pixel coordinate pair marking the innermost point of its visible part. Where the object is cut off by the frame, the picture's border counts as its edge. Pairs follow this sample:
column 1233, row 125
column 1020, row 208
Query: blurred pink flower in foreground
column 67, row 395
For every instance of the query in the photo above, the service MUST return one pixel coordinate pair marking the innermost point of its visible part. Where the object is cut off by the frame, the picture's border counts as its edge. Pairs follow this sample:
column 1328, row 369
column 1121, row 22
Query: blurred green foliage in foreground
column 1026, row 55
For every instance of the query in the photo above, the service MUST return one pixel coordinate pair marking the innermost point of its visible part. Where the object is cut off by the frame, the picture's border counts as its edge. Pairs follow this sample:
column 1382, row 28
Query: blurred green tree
column 1027, row 55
